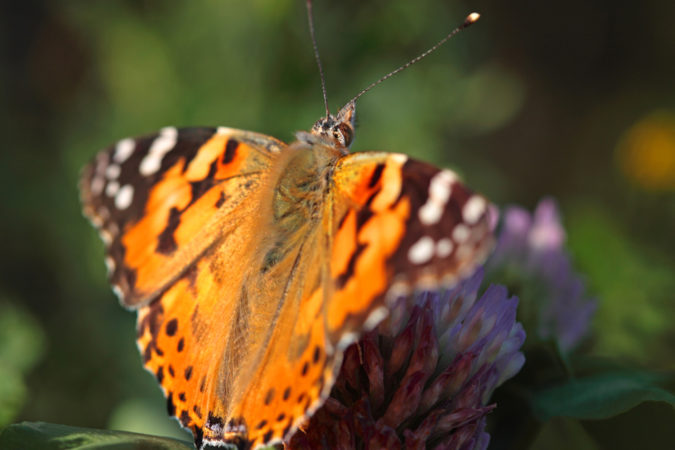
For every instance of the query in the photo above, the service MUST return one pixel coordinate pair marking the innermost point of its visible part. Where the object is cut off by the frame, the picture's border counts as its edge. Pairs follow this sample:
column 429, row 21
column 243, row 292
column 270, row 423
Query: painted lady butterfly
column 253, row 264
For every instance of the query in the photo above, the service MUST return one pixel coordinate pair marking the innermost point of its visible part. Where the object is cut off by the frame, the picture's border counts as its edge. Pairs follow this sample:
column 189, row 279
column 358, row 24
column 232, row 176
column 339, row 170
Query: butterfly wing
column 400, row 225
column 238, row 342
column 333, row 284
column 161, row 201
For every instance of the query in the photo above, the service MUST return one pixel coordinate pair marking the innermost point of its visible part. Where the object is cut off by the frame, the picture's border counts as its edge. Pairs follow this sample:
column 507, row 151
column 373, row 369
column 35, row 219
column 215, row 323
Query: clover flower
column 423, row 378
column 530, row 258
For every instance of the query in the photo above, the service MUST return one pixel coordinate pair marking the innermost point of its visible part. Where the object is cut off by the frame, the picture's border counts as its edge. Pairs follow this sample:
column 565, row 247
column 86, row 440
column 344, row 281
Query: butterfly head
column 337, row 130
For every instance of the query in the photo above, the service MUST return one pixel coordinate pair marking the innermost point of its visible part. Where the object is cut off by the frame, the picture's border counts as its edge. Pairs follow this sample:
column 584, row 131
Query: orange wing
column 377, row 208
column 241, row 354
column 228, row 338
column 401, row 225
column 161, row 201
column 249, row 368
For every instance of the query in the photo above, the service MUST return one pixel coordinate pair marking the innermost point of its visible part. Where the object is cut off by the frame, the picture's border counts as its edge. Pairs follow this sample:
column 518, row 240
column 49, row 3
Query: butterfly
column 253, row 264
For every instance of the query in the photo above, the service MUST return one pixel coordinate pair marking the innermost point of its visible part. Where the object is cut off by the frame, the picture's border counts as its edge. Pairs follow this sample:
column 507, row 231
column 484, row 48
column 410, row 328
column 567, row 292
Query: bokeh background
column 573, row 99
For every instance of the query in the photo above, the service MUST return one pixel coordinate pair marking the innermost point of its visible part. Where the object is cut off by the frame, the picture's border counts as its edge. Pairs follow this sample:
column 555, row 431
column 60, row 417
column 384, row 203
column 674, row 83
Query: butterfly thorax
column 298, row 198
column 301, row 189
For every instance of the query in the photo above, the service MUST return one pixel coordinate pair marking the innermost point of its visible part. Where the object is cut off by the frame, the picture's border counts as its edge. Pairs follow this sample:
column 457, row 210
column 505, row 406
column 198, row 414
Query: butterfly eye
column 338, row 136
column 346, row 134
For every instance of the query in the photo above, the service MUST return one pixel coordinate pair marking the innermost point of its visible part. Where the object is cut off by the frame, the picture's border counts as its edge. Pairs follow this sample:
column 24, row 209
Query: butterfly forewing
column 401, row 225
column 158, row 201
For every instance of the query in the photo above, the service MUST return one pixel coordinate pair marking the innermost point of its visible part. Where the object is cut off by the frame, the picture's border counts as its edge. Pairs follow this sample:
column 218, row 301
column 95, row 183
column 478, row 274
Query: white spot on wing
column 112, row 171
column 444, row 247
column 440, row 185
column 123, row 150
column 430, row 213
column 421, row 251
column 160, row 147
column 112, row 188
column 97, row 221
column 440, row 188
column 375, row 317
column 460, row 233
column 110, row 264
column 124, row 196
column 106, row 236
column 398, row 158
column 97, row 185
column 473, row 209
column 347, row 339
column 118, row 292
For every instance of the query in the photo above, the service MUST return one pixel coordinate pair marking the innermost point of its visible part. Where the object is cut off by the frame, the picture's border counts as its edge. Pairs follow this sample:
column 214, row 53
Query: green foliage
column 563, row 434
column 649, row 425
column 558, row 401
column 635, row 287
column 61, row 437
column 599, row 396
column 21, row 347
column 13, row 394
column 145, row 416
column 22, row 340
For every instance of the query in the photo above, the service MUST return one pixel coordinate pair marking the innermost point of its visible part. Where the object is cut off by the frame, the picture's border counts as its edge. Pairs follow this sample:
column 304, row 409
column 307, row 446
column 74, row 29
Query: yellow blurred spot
column 646, row 152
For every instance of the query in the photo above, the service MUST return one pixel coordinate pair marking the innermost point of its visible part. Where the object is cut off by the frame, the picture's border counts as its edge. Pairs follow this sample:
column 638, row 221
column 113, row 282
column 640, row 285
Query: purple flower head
column 423, row 378
column 530, row 254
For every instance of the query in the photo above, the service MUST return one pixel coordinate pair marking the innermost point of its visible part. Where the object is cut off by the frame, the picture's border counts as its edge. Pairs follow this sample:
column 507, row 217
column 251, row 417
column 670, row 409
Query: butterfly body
column 253, row 264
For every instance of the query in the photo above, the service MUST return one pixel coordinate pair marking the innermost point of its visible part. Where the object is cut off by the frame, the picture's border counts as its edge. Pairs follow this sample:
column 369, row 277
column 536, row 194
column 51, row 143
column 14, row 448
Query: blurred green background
column 574, row 99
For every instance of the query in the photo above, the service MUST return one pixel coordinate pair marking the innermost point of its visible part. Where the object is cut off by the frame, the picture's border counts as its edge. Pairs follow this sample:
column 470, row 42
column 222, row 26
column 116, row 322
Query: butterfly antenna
column 470, row 20
column 316, row 55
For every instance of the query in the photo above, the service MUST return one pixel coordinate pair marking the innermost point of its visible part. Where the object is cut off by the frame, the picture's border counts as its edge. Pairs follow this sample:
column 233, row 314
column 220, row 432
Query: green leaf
column 650, row 425
column 12, row 394
column 22, row 345
column 141, row 415
column 599, row 396
column 634, row 285
column 22, row 340
column 563, row 434
column 52, row 436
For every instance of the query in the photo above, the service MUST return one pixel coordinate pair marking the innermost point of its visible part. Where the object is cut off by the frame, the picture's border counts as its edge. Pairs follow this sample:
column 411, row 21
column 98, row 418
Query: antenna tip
column 471, row 19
